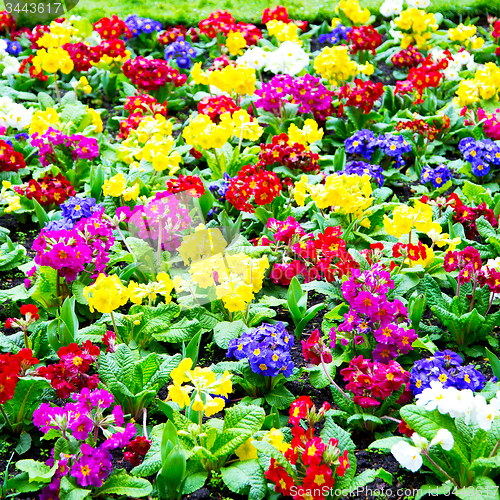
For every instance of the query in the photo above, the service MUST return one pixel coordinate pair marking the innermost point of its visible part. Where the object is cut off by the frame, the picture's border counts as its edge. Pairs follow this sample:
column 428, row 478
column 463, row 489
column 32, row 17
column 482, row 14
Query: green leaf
column 152, row 461
column 386, row 443
column 247, row 473
column 37, row 471
column 495, row 363
column 24, row 443
column 280, row 397
column 121, row 483
column 240, row 423
column 226, row 331
column 71, row 492
column 482, row 488
column 268, row 449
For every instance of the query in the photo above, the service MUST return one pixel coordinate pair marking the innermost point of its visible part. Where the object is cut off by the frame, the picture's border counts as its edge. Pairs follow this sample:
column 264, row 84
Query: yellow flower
column 96, row 120
column 245, row 126
column 246, row 451
column 178, row 374
column 335, row 65
column 235, row 42
column 310, row 133
column 275, row 437
column 106, row 294
column 52, row 60
column 204, row 133
column 43, row 120
column 214, row 406
column 180, row 394
column 198, row 75
column 354, row 12
column 114, row 186
column 283, row 31
column 418, row 26
column 405, row 218
column 234, row 79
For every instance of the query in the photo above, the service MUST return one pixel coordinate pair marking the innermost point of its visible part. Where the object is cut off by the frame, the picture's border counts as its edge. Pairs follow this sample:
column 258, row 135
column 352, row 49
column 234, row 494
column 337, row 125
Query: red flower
column 404, row 429
column 343, row 464
column 151, row 74
column 318, row 480
column 136, row 450
column 30, row 310
column 108, row 340
column 314, row 348
column 191, row 184
column 364, row 38
column 313, row 451
column 278, row 475
column 299, row 409
column 10, row 160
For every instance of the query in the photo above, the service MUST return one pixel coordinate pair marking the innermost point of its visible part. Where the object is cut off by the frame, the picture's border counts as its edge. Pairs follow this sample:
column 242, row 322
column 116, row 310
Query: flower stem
column 26, row 340
column 144, row 418
column 7, row 420
column 114, row 323
column 329, row 376
column 426, row 454
column 57, row 88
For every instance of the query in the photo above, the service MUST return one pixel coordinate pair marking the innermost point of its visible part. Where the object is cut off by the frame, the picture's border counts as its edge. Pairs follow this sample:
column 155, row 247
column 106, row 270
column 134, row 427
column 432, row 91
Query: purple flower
column 120, row 439
column 118, row 415
column 366, row 302
column 101, row 398
column 81, row 427
column 384, row 353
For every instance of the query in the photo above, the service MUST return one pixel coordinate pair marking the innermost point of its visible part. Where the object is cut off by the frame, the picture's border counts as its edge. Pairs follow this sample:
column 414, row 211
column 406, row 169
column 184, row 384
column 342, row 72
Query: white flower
column 464, row 405
column 418, row 4
column 254, row 57
column 289, row 58
column 451, row 74
column 444, row 438
column 485, row 415
column 495, row 402
column 420, row 442
column 407, row 455
column 463, row 58
column 436, row 396
column 11, row 65
column 391, row 8
column 3, row 47
column 394, row 32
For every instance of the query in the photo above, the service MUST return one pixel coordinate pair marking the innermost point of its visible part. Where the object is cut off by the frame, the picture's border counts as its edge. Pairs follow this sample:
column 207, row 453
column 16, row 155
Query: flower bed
column 244, row 261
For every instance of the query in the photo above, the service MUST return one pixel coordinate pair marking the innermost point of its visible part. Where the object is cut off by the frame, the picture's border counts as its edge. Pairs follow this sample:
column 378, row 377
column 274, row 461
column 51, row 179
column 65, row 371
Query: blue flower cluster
column 480, row 154
column 182, row 52
column 13, row 48
column 439, row 176
column 74, row 209
column 445, row 367
column 267, row 349
column 362, row 168
column 338, row 33
column 365, row 142
column 138, row 25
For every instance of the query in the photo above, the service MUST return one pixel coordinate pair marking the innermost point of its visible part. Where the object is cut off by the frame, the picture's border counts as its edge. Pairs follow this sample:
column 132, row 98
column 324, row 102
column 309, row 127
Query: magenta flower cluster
column 307, row 91
column 91, row 465
column 373, row 321
column 164, row 217
column 79, row 146
column 70, row 250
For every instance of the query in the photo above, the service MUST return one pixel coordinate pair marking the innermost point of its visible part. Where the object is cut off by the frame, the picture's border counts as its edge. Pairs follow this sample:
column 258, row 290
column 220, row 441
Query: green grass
column 190, row 12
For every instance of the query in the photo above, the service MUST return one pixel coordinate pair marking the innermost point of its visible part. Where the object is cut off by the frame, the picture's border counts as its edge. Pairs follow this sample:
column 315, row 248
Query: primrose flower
column 204, row 389
column 307, row 135
column 405, row 218
column 106, row 294
column 163, row 286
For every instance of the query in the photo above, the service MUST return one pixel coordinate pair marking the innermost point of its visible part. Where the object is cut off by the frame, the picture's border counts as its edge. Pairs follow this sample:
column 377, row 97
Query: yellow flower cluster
column 405, row 218
column 310, row 133
column 52, row 60
column 417, row 26
column 283, row 31
column 106, row 294
column 239, row 277
column 202, row 132
column 347, row 194
column 162, row 286
column 247, row 450
column 238, row 79
column 83, row 84
column 485, row 85
column 201, row 244
column 235, row 42
column 335, row 65
column 13, row 201
column 203, row 388
column 466, row 35
column 43, row 120
column 153, row 142
column 96, row 120
column 117, row 186
column 58, row 35
column 353, row 11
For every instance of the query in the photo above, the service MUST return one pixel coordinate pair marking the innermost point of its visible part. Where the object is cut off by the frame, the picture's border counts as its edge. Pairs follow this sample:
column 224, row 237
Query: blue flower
column 362, row 142
column 58, row 225
column 76, row 208
column 469, row 378
column 182, row 52
column 138, row 25
column 14, row 48
column 362, row 168
column 439, row 176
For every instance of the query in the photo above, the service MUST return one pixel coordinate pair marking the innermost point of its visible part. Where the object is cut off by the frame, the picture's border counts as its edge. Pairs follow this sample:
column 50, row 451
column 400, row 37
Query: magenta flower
column 366, row 302
column 81, row 427
column 384, row 353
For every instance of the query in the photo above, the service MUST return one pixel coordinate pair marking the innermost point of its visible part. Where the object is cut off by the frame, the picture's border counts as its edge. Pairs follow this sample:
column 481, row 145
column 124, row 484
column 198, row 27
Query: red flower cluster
column 223, row 22
column 214, row 106
column 113, row 27
column 109, row 339
column 419, row 127
column 467, row 216
column 364, row 38
column 371, row 382
column 69, row 375
column 309, row 256
column 408, row 250
column 427, row 75
column 7, row 22
column 151, row 74
column 171, row 34
column 295, row 157
column 315, row 350
column 407, row 58
column 186, row 183
column 253, row 184
column 317, row 464
column 138, row 106
column 47, row 190
column 10, row 160
column 363, row 95
column 280, row 13
column 12, row 366
column 136, row 450
column 469, row 264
